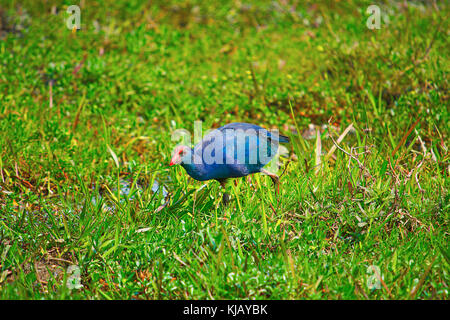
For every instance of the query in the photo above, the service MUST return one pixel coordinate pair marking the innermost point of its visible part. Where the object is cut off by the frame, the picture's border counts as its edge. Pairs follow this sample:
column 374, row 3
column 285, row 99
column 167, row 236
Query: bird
column 232, row 151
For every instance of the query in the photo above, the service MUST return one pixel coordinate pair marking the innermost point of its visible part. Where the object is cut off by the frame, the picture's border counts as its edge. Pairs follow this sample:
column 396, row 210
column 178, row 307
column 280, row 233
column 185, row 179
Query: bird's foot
column 275, row 179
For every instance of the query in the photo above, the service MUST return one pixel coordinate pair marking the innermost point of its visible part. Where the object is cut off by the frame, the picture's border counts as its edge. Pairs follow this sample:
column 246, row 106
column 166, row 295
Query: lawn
column 90, row 209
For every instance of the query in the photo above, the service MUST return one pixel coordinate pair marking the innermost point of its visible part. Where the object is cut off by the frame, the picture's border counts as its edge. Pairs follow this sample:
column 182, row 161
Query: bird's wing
column 250, row 147
column 237, row 143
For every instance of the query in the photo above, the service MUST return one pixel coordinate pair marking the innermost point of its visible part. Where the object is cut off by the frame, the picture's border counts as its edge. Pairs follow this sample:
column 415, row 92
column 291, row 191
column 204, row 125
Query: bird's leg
column 226, row 199
column 275, row 179
column 226, row 196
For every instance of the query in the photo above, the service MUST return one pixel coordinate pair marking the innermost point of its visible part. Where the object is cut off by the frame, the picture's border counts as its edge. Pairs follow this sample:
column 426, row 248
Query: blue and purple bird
column 232, row 151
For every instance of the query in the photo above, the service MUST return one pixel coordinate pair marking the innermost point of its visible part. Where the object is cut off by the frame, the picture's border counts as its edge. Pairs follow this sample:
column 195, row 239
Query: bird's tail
column 283, row 139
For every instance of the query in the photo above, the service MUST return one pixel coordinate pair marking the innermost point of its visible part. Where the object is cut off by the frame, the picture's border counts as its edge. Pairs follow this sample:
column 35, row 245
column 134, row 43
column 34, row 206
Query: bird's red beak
column 174, row 160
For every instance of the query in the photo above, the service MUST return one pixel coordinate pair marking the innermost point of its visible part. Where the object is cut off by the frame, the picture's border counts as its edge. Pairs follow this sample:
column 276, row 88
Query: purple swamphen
column 232, row 151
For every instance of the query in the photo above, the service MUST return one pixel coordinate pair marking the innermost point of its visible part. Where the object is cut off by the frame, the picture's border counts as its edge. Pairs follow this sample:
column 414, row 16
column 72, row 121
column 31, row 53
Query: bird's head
column 180, row 154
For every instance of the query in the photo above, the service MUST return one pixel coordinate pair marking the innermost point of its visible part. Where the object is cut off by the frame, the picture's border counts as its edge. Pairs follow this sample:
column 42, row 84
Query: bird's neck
column 196, row 169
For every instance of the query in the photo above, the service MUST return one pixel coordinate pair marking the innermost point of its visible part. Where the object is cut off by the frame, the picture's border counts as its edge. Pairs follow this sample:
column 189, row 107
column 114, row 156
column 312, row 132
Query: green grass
column 136, row 72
